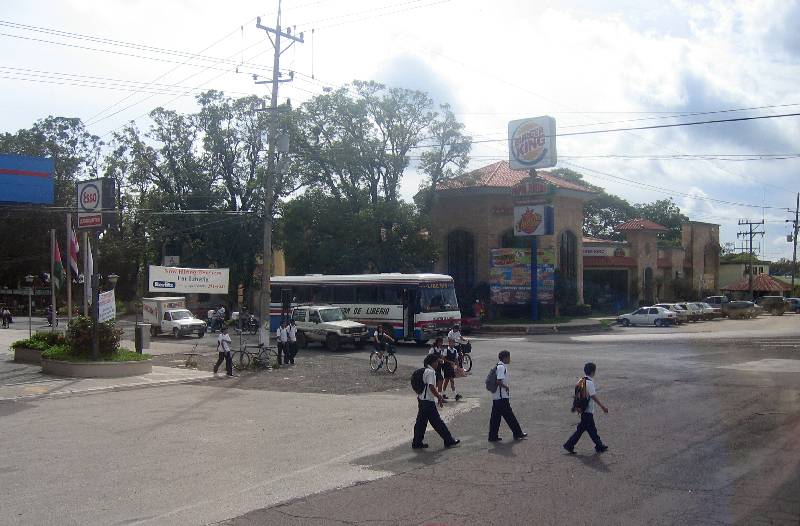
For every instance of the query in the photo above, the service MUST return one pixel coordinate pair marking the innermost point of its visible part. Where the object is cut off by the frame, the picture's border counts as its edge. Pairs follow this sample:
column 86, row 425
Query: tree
column 447, row 157
column 666, row 213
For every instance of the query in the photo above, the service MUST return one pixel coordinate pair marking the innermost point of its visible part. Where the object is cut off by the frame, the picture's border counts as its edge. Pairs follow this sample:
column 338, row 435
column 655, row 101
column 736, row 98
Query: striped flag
column 73, row 251
column 57, row 278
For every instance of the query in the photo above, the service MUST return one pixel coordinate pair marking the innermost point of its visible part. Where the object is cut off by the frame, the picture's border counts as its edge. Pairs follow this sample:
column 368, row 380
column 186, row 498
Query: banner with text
column 108, row 306
column 510, row 275
column 189, row 280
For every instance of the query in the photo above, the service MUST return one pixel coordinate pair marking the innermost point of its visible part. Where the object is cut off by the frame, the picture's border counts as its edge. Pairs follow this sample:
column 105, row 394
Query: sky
column 590, row 65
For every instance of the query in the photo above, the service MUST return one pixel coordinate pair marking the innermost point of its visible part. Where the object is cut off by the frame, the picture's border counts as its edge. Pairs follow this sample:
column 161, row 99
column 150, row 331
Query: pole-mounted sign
column 94, row 196
column 532, row 143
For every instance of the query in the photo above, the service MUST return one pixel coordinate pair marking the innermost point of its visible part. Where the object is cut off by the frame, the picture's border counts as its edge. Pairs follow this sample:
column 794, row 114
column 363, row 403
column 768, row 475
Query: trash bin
column 141, row 337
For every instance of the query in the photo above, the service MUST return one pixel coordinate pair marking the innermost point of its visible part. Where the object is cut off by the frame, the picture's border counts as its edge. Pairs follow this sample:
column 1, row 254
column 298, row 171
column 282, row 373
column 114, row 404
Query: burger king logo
column 529, row 222
column 531, row 143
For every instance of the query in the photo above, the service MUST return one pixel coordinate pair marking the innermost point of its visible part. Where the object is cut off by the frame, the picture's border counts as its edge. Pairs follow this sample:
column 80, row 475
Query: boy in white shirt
column 587, row 416
column 224, row 350
column 426, row 408
column 283, row 343
column 501, row 403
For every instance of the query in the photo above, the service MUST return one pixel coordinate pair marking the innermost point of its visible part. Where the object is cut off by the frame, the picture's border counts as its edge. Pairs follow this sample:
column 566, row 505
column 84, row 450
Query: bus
column 415, row 307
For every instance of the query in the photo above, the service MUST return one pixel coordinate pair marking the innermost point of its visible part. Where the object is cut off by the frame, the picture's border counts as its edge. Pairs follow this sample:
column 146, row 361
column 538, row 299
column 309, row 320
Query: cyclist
column 462, row 344
column 380, row 339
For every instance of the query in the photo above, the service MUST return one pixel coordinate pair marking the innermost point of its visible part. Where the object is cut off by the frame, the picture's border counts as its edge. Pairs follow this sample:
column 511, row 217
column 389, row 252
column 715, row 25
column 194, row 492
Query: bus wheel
column 420, row 342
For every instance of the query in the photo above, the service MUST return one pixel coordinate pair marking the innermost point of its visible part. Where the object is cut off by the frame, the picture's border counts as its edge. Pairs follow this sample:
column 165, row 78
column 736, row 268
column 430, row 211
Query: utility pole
column 269, row 183
column 750, row 234
column 795, row 225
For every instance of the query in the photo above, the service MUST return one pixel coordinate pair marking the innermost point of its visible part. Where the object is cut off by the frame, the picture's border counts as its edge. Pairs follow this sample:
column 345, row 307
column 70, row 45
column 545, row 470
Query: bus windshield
column 331, row 315
column 437, row 299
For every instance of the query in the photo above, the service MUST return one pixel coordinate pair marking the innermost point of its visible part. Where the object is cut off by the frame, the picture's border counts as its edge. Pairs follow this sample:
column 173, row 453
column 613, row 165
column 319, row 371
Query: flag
column 58, row 267
column 73, row 251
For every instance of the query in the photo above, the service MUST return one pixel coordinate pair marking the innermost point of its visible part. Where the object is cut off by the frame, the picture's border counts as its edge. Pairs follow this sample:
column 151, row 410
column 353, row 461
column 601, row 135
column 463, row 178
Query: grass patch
column 63, row 353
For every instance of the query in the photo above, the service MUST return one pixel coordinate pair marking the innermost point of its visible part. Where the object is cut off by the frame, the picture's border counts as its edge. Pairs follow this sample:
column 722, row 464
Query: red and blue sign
column 26, row 179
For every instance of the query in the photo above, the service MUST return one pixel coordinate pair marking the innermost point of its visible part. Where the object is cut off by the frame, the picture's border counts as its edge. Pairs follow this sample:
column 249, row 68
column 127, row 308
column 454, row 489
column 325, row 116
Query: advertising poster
column 107, row 306
column 188, row 280
column 510, row 276
column 533, row 220
column 546, row 283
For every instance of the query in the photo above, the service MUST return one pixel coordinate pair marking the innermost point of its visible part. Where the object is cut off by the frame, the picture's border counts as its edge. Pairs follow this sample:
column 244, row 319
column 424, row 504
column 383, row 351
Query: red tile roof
column 499, row 175
column 589, row 239
column 761, row 283
column 608, row 261
column 640, row 224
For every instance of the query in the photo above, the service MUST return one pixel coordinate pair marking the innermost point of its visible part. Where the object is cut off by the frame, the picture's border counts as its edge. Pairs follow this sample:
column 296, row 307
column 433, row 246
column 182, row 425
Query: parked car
column 658, row 316
column 741, row 309
column 709, row 312
column 694, row 312
column 794, row 305
column 775, row 305
column 720, row 302
column 329, row 326
column 681, row 315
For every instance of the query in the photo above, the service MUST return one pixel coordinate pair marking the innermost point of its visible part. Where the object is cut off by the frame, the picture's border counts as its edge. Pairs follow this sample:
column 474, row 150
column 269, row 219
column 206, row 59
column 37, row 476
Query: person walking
column 6, row 315
column 224, row 350
column 438, row 351
column 292, row 329
column 427, row 411
column 501, row 402
column 450, row 356
column 283, row 343
column 587, row 415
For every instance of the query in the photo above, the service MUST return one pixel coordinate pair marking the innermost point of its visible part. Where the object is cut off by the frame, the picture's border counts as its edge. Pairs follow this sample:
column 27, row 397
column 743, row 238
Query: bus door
column 409, row 310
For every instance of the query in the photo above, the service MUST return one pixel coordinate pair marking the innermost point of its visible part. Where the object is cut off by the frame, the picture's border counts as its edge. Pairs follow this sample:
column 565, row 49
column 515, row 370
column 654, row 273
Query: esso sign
column 89, row 198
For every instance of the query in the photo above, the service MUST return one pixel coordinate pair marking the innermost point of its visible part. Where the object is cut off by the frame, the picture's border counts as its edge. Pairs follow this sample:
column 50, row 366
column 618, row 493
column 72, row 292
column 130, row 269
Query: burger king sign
column 532, row 143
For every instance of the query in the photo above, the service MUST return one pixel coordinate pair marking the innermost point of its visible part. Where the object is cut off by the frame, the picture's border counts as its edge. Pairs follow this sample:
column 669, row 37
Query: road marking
column 767, row 365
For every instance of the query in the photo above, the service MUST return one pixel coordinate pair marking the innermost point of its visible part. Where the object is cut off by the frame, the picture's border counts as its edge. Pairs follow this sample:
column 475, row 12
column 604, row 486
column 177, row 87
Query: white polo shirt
column 591, row 390
column 429, row 379
column 292, row 333
column 283, row 334
column 223, row 342
column 455, row 336
column 502, row 374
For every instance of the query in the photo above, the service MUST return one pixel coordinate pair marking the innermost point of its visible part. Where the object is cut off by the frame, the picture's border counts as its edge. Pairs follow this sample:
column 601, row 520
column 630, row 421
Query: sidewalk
column 582, row 325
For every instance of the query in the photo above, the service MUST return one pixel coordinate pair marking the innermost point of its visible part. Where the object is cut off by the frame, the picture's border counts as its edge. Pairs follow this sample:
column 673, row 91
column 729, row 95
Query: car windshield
column 435, row 297
column 678, row 307
column 182, row 315
column 332, row 315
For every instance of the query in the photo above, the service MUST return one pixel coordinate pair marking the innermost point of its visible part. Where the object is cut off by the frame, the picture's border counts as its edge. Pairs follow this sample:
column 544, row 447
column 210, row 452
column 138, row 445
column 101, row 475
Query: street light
column 112, row 280
column 29, row 281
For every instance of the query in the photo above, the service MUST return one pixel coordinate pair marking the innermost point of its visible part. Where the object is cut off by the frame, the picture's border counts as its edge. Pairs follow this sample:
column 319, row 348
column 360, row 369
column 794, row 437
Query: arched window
column 648, row 286
column 568, row 256
column 461, row 261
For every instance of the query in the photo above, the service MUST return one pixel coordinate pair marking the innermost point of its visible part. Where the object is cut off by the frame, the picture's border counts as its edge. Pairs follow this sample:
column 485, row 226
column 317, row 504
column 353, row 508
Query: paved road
column 703, row 430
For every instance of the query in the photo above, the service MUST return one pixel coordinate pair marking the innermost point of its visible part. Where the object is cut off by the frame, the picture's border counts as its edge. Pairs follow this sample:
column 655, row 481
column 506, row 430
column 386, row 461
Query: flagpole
column 54, row 314
column 87, row 279
column 69, row 268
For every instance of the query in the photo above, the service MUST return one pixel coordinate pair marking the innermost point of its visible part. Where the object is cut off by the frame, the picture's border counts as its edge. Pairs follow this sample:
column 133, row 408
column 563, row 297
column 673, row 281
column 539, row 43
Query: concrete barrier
column 26, row 355
column 96, row 369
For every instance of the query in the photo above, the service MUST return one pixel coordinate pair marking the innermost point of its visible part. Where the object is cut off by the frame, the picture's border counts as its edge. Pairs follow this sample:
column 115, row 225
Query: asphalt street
column 702, row 429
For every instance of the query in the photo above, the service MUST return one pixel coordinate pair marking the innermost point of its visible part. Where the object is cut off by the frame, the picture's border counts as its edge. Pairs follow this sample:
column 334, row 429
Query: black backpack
column 417, row 382
column 491, row 380
column 580, row 398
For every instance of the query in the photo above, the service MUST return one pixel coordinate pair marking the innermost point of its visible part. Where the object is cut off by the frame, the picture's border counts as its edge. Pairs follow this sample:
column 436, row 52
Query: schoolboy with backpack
column 583, row 403
column 423, row 382
column 497, row 384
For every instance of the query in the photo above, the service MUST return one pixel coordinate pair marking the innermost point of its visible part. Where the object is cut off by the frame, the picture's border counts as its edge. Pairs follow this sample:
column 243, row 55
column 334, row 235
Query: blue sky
column 584, row 63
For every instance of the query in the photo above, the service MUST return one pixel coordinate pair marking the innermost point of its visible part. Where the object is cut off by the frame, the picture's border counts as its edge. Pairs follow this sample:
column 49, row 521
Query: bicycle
column 263, row 357
column 464, row 358
column 376, row 361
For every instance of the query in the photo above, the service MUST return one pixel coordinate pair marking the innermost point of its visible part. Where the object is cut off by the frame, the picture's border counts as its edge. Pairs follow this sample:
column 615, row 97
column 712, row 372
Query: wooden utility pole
column 794, row 239
column 750, row 234
column 269, row 183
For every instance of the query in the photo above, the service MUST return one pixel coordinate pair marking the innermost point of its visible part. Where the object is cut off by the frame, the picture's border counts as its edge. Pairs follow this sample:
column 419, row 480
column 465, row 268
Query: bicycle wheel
column 391, row 363
column 374, row 361
column 466, row 363
column 269, row 358
column 241, row 360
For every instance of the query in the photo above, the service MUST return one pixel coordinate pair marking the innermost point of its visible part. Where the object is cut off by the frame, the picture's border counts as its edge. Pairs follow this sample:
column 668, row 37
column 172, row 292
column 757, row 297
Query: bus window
column 345, row 294
column 437, row 299
column 367, row 294
column 390, row 295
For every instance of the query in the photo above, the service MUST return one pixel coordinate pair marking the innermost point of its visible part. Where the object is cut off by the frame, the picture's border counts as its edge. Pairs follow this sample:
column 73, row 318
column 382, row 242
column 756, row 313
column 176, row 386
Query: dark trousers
column 427, row 412
column 228, row 363
column 586, row 424
column 292, row 351
column 502, row 409
column 283, row 352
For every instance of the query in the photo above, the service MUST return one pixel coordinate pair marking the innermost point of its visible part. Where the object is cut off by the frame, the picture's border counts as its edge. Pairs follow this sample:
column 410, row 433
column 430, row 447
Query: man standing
column 283, row 343
column 501, row 403
column 426, row 408
column 224, row 350
column 292, row 340
column 587, row 416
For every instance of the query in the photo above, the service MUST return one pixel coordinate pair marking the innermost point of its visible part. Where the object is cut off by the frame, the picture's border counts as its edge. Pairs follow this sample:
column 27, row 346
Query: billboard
column 95, row 196
column 26, row 179
column 107, row 306
column 532, row 143
column 510, row 275
column 188, row 280
column 533, row 220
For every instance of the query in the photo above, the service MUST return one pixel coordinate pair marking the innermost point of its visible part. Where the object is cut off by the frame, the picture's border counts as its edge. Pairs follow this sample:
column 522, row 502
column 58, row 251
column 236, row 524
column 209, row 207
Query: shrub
column 79, row 336
column 40, row 341
column 577, row 310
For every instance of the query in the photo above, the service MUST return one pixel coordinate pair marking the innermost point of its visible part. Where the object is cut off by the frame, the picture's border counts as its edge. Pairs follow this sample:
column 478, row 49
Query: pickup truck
column 169, row 315
column 329, row 326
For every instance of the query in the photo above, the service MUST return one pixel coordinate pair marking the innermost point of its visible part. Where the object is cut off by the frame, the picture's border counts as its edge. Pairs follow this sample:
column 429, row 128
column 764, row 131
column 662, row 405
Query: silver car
column 681, row 316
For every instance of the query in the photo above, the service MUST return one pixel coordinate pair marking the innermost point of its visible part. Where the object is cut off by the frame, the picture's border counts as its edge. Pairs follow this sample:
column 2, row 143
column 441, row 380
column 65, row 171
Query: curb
column 543, row 329
column 105, row 389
